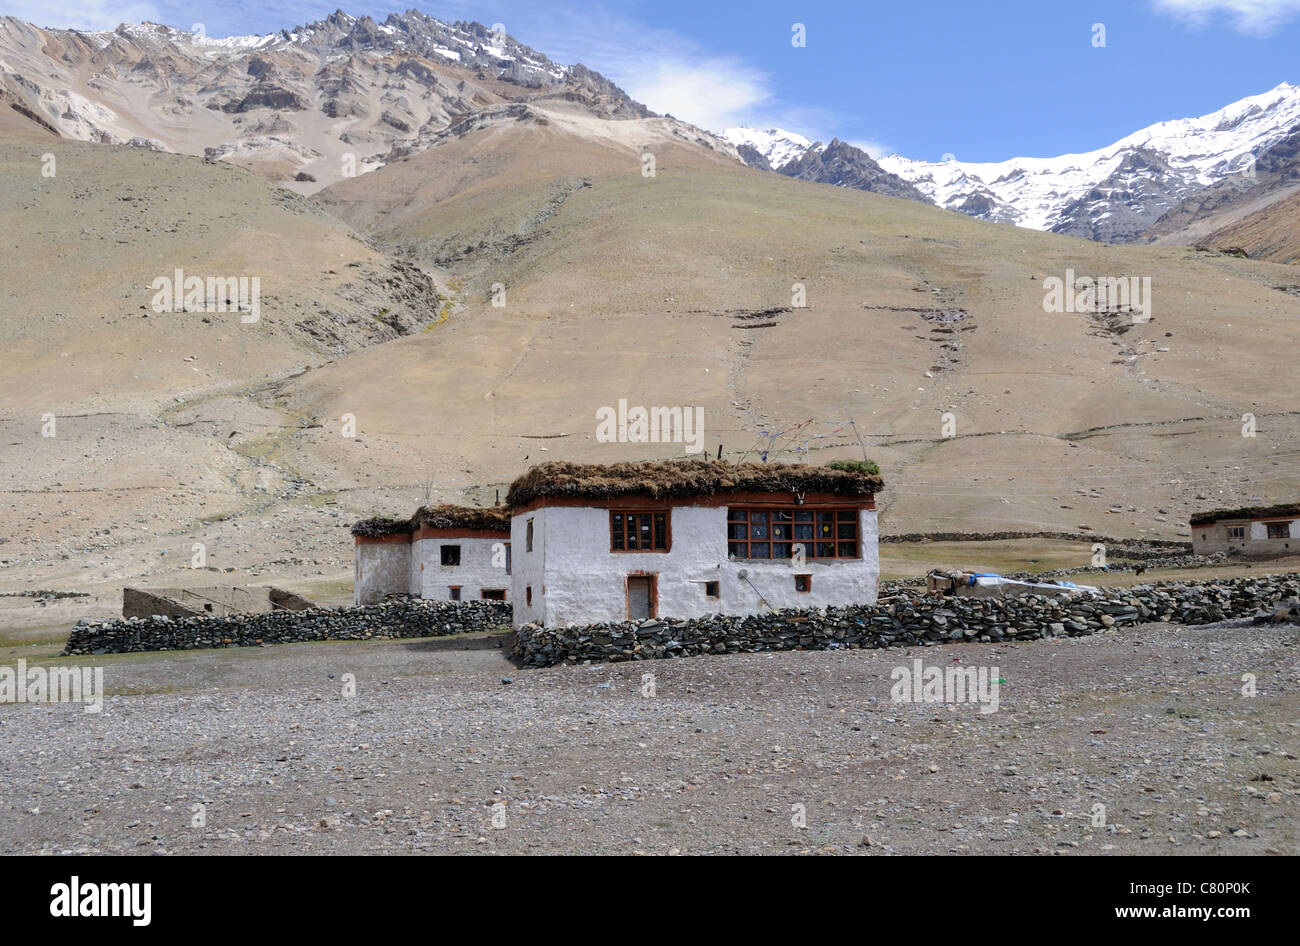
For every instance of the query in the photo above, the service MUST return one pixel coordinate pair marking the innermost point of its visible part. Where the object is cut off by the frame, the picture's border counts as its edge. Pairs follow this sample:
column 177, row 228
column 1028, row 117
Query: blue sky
column 981, row 81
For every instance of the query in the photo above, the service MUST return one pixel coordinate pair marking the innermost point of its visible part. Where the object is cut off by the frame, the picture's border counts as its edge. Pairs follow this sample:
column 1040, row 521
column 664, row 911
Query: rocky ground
column 435, row 745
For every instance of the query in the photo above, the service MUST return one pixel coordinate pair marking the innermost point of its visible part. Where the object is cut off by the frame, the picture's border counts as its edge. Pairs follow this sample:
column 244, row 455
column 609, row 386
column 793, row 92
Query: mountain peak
column 1127, row 185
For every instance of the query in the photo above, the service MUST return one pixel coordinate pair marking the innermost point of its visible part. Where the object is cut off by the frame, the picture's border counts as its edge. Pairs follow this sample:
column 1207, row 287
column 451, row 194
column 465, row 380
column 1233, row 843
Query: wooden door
column 640, row 598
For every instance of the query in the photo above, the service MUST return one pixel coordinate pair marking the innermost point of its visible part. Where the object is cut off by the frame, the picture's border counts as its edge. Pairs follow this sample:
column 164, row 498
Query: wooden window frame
column 497, row 594
column 453, row 592
column 743, row 516
column 1236, row 532
column 618, row 539
column 1284, row 526
column 713, row 589
column 807, row 583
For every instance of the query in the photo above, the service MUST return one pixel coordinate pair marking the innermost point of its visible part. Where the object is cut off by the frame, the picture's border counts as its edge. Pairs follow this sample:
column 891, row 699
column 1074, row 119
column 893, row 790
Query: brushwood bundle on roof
column 446, row 516
column 687, row 478
column 1245, row 512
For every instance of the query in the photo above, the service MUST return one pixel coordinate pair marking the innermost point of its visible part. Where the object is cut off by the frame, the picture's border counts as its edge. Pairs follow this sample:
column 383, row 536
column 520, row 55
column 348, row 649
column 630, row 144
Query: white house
column 449, row 553
column 1253, row 531
column 685, row 538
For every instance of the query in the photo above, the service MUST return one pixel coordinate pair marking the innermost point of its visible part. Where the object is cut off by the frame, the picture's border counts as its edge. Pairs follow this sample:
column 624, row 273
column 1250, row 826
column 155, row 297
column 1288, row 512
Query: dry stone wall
column 400, row 618
column 908, row 618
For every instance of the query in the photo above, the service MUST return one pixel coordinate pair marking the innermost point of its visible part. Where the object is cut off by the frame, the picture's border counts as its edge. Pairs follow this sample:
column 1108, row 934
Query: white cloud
column 1257, row 17
column 713, row 94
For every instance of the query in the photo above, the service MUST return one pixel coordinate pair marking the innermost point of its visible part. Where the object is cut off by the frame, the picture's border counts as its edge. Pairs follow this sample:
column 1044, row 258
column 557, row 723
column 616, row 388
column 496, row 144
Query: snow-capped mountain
column 1114, row 193
column 770, row 149
column 838, row 163
column 307, row 104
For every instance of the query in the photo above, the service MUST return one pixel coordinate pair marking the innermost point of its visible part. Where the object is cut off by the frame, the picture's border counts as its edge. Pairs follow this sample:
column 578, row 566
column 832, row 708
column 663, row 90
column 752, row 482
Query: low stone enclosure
column 406, row 617
column 903, row 619
column 909, row 619
column 219, row 600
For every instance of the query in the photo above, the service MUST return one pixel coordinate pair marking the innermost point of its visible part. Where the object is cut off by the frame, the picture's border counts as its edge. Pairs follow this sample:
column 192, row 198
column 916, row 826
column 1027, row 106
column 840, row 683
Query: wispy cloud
column 226, row 18
column 667, row 71
column 1256, row 17
column 83, row 14
column 712, row 93
column 876, row 149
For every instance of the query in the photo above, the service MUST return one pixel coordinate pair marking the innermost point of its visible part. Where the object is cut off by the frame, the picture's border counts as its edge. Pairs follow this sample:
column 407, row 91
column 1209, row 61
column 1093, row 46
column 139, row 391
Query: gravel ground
column 435, row 747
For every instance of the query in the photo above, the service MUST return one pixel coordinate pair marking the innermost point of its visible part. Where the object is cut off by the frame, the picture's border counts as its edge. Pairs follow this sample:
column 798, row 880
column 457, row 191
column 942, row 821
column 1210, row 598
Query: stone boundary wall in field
column 907, row 618
column 402, row 618
column 1119, row 545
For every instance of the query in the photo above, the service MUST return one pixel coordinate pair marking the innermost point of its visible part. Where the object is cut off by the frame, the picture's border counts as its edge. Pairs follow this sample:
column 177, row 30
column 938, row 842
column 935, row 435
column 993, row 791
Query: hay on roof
column 380, row 525
column 495, row 518
column 446, row 516
column 686, row 478
column 1245, row 512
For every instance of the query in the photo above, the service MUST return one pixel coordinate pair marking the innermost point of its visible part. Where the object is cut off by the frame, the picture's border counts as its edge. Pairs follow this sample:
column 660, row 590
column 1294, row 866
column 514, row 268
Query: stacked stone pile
column 412, row 617
column 908, row 618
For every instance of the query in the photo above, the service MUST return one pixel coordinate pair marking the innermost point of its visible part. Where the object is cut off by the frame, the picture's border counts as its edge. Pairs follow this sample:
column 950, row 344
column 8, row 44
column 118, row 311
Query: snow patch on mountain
column 777, row 146
column 1037, row 192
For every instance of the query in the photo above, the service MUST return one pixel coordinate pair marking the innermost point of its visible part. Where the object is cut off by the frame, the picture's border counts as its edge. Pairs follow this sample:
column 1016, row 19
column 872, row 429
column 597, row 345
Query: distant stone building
column 217, row 600
column 1253, row 531
column 448, row 553
column 690, row 538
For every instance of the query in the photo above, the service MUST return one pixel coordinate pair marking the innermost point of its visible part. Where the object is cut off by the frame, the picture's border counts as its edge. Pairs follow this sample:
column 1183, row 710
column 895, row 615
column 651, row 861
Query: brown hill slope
column 677, row 290
column 97, row 447
column 1272, row 233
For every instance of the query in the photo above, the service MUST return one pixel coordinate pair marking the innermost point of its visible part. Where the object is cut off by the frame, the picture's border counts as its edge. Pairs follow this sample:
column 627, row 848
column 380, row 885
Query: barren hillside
column 677, row 288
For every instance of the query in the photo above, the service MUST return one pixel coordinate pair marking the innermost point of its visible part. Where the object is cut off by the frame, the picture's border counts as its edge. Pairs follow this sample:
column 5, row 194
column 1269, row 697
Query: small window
column 493, row 594
column 1279, row 530
column 529, row 546
column 453, row 592
column 1235, row 532
column 528, row 595
column 507, row 558
column 451, row 555
column 803, row 582
column 711, row 589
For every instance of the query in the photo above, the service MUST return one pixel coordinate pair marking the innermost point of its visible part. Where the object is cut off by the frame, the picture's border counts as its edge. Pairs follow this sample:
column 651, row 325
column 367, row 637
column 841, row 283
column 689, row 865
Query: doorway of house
column 640, row 597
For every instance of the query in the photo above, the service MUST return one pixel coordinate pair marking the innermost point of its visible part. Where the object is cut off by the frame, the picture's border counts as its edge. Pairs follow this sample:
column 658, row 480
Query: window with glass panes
column 638, row 531
column 773, row 533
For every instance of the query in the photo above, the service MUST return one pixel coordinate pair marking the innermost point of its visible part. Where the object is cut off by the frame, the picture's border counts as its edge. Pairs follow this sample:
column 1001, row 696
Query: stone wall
column 401, row 618
column 908, row 618
column 218, row 600
column 1129, row 545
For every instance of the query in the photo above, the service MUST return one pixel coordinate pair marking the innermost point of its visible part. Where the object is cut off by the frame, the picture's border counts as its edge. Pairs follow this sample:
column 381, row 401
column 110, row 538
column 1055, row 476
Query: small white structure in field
column 448, row 553
column 685, row 538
